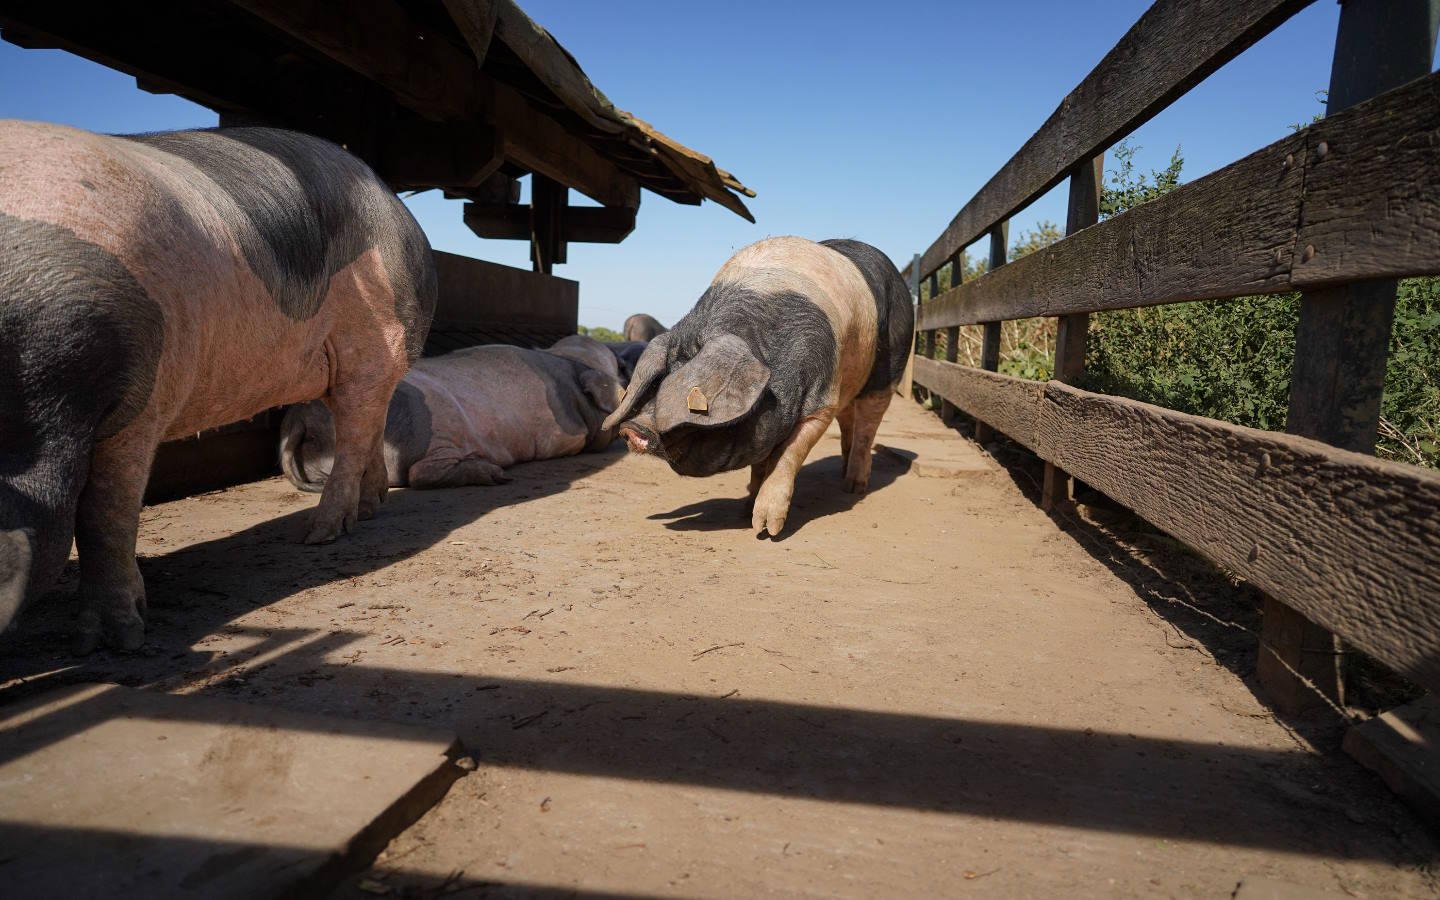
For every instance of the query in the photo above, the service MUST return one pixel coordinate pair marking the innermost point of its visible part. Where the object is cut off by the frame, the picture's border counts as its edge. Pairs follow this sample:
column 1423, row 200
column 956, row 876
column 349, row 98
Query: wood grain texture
column 1172, row 47
column 1369, row 206
column 1008, row 405
column 1350, row 541
column 1372, row 198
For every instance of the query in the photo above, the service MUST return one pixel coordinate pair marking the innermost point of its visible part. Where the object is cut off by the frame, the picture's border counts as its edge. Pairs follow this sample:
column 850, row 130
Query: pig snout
column 638, row 439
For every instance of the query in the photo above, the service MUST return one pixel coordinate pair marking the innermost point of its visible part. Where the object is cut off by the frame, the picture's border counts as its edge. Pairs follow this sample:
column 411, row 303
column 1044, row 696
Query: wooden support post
column 548, row 199
column 952, row 336
column 990, row 345
column 1084, row 210
column 1343, row 337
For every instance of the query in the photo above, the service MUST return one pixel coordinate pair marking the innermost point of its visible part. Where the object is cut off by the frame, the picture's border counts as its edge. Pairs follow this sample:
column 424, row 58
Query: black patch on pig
column 894, row 316
column 81, row 334
column 785, row 330
column 301, row 209
column 408, row 431
column 80, row 342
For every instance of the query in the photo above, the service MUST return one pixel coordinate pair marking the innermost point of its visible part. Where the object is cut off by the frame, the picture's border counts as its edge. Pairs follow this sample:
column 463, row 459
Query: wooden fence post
column 990, row 346
column 1343, row 337
column 1083, row 211
column 952, row 335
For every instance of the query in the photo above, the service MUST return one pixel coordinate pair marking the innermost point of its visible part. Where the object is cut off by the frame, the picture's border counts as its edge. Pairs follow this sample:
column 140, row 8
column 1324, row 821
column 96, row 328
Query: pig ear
column 648, row 370
column 15, row 558
column 603, row 388
column 722, row 383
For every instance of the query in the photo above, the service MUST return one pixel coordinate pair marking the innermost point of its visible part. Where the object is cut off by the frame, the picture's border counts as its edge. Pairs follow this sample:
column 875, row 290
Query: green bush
column 601, row 334
column 1232, row 360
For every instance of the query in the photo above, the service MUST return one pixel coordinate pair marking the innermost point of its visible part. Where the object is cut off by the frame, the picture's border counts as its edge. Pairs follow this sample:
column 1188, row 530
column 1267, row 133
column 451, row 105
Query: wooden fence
column 1342, row 543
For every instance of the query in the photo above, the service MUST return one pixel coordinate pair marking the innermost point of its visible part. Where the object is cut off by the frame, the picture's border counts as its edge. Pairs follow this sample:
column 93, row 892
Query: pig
column 790, row 335
column 461, row 418
column 641, row 327
column 589, row 352
column 156, row 285
column 628, row 354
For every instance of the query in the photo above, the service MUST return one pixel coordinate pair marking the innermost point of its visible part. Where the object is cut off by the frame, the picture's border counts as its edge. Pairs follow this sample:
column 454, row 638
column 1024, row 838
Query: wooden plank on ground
column 1239, row 231
column 120, row 793
column 1350, row 541
column 1008, row 405
column 1172, row 48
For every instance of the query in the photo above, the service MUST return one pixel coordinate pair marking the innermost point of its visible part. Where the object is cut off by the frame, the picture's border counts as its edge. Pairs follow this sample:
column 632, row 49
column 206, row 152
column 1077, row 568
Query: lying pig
column 592, row 353
column 461, row 418
column 641, row 327
column 157, row 285
column 790, row 335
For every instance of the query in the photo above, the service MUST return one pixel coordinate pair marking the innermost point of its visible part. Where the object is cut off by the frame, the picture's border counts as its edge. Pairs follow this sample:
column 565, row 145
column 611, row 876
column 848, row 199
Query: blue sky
column 848, row 119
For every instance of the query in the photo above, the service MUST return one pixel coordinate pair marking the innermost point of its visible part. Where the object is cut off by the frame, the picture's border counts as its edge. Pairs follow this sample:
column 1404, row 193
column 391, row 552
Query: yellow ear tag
column 696, row 401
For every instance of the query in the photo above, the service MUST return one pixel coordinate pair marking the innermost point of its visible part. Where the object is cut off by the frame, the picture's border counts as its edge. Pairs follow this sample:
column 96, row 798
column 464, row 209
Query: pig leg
column 868, row 410
column 772, row 502
column 846, row 418
column 451, row 471
column 359, row 414
column 375, row 483
column 112, row 593
column 758, row 473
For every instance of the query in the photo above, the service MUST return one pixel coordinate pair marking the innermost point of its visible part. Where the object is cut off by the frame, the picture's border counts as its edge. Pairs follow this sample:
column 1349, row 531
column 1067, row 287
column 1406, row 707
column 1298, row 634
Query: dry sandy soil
column 934, row 690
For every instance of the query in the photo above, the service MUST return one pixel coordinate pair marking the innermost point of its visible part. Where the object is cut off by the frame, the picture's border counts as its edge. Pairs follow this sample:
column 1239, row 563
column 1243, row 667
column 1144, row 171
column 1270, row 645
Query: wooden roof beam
column 379, row 40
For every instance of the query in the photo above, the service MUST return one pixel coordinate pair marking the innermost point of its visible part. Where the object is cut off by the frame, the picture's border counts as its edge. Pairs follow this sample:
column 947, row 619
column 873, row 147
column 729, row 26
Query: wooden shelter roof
column 460, row 95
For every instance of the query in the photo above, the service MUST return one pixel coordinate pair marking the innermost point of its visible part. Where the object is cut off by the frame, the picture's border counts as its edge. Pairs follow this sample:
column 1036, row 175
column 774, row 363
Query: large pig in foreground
column 461, row 418
column 790, row 335
column 158, row 285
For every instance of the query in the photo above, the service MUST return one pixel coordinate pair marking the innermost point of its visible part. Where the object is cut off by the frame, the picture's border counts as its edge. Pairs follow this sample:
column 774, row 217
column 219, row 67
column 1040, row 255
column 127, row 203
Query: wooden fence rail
column 1337, row 211
column 1347, row 539
column 1299, row 213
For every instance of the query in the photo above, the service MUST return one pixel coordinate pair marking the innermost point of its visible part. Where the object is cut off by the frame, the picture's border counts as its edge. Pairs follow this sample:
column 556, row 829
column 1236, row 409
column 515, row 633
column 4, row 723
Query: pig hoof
column 769, row 518
column 325, row 530
column 125, row 634
column 129, row 635
column 87, row 638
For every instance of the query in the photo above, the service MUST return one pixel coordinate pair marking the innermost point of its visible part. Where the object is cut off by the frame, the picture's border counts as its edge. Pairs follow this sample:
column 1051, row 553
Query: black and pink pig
column 158, row 285
column 790, row 335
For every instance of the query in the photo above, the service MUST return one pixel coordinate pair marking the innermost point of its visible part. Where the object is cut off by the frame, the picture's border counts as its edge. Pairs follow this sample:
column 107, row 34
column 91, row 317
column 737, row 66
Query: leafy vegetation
column 1228, row 360
column 601, row 334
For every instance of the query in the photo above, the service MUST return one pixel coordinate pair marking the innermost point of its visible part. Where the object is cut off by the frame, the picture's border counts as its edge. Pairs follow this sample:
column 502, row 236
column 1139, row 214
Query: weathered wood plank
column 990, row 342
column 1238, row 231
column 1350, row 541
column 427, row 73
column 542, row 145
column 1006, row 404
column 1343, row 336
column 1082, row 211
column 1172, row 48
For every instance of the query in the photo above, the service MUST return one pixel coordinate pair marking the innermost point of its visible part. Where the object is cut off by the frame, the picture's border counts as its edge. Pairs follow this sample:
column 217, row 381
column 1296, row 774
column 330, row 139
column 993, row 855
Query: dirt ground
column 937, row 689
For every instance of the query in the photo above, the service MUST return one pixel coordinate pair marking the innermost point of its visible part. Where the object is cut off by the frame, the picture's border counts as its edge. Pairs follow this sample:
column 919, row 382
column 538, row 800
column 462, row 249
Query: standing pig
column 157, row 285
column 790, row 335
column 641, row 327
column 459, row 419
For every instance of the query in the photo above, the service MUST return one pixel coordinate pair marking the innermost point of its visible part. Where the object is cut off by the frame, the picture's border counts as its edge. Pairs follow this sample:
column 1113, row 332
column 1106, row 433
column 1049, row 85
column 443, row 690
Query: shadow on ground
column 1077, row 778
column 197, row 589
column 819, row 492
